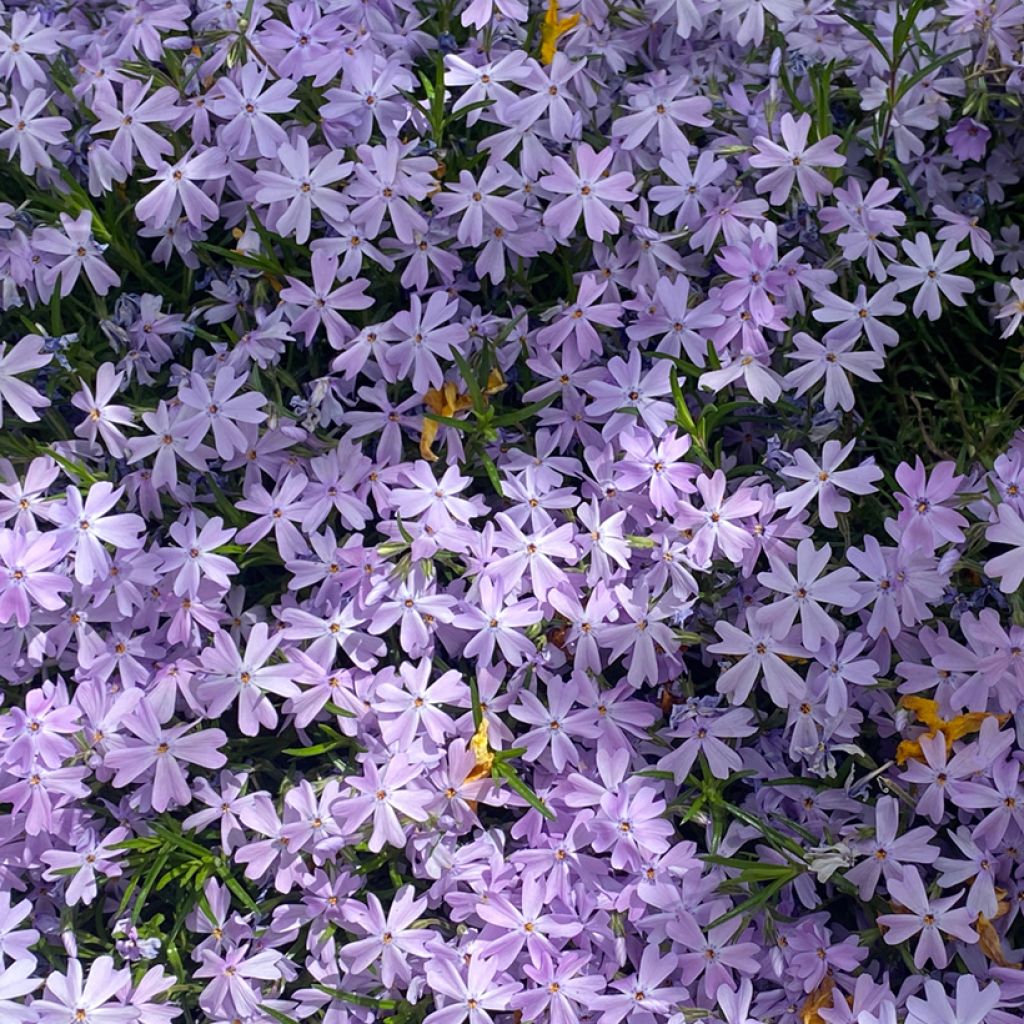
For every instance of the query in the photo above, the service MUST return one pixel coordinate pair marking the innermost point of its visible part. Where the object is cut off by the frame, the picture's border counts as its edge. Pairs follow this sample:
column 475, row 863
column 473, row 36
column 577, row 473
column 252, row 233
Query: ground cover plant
column 511, row 512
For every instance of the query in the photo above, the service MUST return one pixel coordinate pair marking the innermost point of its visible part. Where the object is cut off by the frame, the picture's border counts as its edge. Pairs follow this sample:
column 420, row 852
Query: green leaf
column 314, row 751
column 492, row 473
column 245, row 260
column 508, row 755
column 76, row 469
column 904, row 24
column 447, row 421
column 237, row 889
column 503, row 771
column 511, row 418
column 474, row 698
column 332, row 709
column 752, row 904
column 472, row 384
column 908, row 83
column 281, row 1018
column 868, row 33
column 150, row 881
column 358, row 1000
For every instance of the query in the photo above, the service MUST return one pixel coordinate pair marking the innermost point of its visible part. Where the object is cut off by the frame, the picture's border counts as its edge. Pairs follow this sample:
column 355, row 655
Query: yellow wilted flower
column 990, row 942
column 495, row 382
column 924, row 710
column 482, row 752
column 927, row 712
column 444, row 401
column 552, row 29
column 820, row 998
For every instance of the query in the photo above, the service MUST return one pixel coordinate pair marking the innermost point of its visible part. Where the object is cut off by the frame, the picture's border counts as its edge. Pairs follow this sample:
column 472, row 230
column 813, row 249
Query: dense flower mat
column 511, row 512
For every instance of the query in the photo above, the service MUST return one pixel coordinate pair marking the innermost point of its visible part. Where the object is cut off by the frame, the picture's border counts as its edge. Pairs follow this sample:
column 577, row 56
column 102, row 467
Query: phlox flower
column 391, row 938
column 234, row 985
column 1007, row 528
column 222, row 807
column 928, row 918
column 714, row 526
column 28, row 134
column 1011, row 306
column 603, row 540
column 387, row 178
column 547, row 93
column 322, row 303
column 794, row 162
column 886, row 852
column 658, row 106
column 411, row 703
column 627, row 386
column 496, row 622
column 972, row 1005
column 576, row 326
column 178, row 190
column 968, row 139
column 805, row 591
column 87, row 525
column 561, row 989
column 763, row 383
column 76, row 251
column 89, row 998
column 23, row 399
column 77, row 868
column 194, row 557
column 930, row 274
column 860, row 315
column 976, row 864
column 641, row 630
column 704, row 734
column 470, row 993
column 735, row 1002
column 152, row 745
column 532, row 554
column 381, row 795
column 833, row 360
column 15, row 941
column 478, row 204
column 130, row 120
column 761, row 653
column 229, row 675
column 523, row 923
column 925, row 517
column 103, row 418
column 479, row 13
column 24, row 499
column 715, row 955
column 840, row 667
column 220, row 409
column 170, row 440
column 642, row 997
column 421, row 336
column 556, row 726
column 247, row 108
column 588, row 191
column 26, row 38
column 302, row 185
column 16, row 981
column 39, row 732
column 824, row 481
column 25, row 558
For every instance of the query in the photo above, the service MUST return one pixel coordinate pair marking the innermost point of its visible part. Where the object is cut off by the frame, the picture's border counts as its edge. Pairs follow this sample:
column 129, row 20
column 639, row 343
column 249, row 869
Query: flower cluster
column 461, row 558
